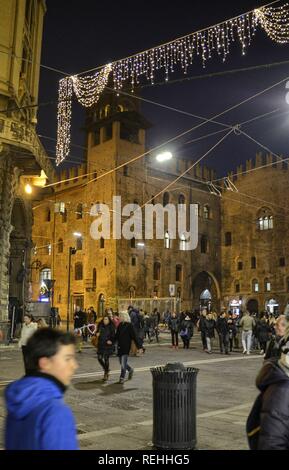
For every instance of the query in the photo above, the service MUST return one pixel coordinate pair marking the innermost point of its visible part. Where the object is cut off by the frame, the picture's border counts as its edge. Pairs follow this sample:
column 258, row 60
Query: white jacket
column 26, row 332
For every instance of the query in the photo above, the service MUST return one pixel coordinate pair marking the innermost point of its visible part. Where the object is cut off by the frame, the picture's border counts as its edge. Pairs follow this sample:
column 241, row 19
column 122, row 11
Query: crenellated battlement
column 261, row 160
column 77, row 172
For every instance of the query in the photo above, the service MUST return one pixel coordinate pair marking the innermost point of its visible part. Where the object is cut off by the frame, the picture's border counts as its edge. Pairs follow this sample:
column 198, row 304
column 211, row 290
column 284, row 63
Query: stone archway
column 19, row 253
column 206, row 291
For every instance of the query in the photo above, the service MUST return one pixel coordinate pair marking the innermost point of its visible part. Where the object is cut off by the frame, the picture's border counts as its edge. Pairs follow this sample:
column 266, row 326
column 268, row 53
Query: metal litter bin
column 174, row 406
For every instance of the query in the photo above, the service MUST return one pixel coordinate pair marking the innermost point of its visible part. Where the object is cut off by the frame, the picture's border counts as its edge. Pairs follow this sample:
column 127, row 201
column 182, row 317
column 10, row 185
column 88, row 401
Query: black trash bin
column 174, row 406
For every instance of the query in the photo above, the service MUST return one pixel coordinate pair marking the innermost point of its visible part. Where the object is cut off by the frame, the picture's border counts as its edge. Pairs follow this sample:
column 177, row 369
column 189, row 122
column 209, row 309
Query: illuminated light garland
column 180, row 52
column 275, row 21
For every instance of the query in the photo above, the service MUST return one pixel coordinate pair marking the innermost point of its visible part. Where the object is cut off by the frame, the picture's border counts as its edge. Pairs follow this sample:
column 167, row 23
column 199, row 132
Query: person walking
column 201, row 324
column 263, row 333
column 247, row 324
column 232, row 330
column 125, row 334
column 105, row 348
column 210, row 327
column 37, row 417
column 79, row 324
column 28, row 328
column 174, row 328
column 223, row 331
column 186, row 331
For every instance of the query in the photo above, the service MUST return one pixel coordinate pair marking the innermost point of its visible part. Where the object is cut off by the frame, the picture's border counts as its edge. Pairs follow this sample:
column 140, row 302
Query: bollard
column 174, row 407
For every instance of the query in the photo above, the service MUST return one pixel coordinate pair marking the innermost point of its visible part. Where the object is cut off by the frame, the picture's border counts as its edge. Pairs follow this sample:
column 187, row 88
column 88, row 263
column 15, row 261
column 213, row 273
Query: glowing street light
column 28, row 188
column 77, row 234
column 162, row 157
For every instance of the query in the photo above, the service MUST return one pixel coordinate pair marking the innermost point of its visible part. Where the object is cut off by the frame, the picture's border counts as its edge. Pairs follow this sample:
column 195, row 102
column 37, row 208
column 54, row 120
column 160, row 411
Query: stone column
column 8, row 184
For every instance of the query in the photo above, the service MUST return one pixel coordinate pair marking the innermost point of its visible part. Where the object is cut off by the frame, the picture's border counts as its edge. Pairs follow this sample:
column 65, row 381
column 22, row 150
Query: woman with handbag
column 106, row 338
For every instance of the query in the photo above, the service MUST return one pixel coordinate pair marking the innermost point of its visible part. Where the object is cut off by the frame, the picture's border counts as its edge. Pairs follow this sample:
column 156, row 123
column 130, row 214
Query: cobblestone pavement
column 119, row 417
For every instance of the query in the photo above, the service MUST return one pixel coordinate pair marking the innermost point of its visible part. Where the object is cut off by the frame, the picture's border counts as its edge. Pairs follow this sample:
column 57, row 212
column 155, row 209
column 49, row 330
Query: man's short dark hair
column 46, row 343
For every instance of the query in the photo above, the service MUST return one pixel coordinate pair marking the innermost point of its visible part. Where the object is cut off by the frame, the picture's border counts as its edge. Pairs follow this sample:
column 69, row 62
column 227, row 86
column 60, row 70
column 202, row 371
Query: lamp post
column 72, row 251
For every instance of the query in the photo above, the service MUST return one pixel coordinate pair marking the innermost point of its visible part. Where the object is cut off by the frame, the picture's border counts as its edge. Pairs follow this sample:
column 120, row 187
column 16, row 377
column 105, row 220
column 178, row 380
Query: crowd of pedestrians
column 45, row 351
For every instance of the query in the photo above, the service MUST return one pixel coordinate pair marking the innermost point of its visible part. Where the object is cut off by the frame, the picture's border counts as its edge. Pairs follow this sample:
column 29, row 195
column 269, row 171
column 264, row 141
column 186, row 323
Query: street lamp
column 162, row 157
column 71, row 252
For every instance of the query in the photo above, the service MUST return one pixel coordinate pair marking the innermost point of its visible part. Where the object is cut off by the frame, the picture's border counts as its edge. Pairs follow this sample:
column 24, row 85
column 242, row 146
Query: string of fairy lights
column 178, row 53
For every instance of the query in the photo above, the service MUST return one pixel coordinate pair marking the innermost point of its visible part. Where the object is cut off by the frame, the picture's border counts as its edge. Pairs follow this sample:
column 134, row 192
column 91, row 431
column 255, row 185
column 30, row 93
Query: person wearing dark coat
column 80, row 320
column 174, row 325
column 273, row 383
column 273, row 346
column 137, row 322
column 223, row 331
column 201, row 324
column 186, row 331
column 125, row 334
column 210, row 327
column 263, row 332
column 233, row 331
column 105, row 347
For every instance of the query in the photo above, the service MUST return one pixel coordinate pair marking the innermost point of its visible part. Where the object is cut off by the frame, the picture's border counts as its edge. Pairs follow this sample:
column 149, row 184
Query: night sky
column 81, row 35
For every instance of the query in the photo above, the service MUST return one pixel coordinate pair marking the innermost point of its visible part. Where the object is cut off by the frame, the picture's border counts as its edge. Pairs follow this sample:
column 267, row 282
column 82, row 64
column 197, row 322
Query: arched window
column 237, row 287
column 105, row 262
column 133, row 261
column 79, row 211
column 45, row 274
column 60, row 245
column 179, row 273
column 267, row 285
column 157, row 271
column 253, row 262
column 132, row 292
column 167, row 240
column 78, row 272
column 48, row 249
column 79, row 243
column 94, row 278
column 120, row 108
column 183, row 242
column 107, row 110
column 206, row 212
column 132, row 243
column 204, row 244
column 166, row 198
column 255, row 285
column 265, row 219
column 182, row 199
column 64, row 216
column 179, row 292
column 48, row 215
column 101, row 242
column 239, row 265
column 228, row 238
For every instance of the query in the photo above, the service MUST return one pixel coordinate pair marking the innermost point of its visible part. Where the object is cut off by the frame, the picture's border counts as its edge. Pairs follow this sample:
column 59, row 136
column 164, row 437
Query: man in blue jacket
column 38, row 418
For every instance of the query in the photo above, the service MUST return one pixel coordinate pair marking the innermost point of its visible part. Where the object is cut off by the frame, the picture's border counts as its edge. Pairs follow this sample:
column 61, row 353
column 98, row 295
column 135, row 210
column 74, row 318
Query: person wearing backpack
column 268, row 422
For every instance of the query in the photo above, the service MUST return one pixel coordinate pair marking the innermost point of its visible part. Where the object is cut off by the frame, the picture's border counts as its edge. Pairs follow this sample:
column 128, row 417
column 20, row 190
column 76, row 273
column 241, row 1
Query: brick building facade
column 220, row 271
